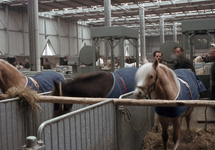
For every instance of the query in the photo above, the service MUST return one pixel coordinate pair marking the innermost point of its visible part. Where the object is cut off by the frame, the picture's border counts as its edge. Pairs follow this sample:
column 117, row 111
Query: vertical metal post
column 33, row 20
column 94, row 55
column 77, row 37
column 122, row 52
column 59, row 43
column 191, row 48
column 184, row 42
column 175, row 32
column 8, row 42
column 112, row 56
column 162, row 39
column 137, row 53
column 45, row 27
column 23, row 33
column 107, row 16
column 142, row 34
column 69, row 36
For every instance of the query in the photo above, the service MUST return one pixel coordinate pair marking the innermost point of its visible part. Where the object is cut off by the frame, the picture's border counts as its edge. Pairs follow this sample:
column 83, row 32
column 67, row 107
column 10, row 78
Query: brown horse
column 11, row 77
column 158, row 81
column 100, row 84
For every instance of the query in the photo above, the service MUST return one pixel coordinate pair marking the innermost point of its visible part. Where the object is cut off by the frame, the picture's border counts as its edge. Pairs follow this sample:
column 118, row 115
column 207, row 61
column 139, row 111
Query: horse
column 100, row 84
column 155, row 80
column 12, row 77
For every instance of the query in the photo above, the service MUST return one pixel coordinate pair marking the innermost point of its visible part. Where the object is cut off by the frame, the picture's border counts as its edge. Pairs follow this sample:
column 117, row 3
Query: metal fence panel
column 127, row 137
column 82, row 129
column 16, row 124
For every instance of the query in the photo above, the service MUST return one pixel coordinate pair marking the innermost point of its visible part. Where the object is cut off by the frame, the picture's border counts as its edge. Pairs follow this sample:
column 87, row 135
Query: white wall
column 17, row 44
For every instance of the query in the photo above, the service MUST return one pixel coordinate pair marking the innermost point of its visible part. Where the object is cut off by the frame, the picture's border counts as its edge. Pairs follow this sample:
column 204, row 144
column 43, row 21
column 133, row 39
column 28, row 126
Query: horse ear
column 155, row 64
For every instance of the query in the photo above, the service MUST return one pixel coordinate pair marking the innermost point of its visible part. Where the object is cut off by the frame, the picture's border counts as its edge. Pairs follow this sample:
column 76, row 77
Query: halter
column 148, row 88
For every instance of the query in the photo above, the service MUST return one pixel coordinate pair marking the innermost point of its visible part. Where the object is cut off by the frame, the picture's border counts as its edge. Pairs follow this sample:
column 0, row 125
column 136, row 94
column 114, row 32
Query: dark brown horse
column 100, row 84
column 159, row 82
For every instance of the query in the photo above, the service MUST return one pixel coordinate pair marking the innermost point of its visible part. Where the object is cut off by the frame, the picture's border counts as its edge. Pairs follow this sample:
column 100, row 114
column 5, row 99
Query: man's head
column 158, row 55
column 178, row 50
column 211, row 52
column 64, row 58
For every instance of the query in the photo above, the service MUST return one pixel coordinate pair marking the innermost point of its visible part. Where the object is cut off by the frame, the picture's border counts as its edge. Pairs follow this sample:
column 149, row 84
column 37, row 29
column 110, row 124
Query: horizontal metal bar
column 127, row 94
column 17, row 98
column 48, row 122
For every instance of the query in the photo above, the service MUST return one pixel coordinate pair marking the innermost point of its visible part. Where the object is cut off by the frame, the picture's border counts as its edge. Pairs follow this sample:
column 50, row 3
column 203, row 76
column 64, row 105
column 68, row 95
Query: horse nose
column 138, row 94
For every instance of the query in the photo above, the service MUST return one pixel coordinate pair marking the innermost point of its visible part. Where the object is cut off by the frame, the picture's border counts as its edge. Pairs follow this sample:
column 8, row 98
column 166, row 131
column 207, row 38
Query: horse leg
column 164, row 125
column 156, row 122
column 176, row 132
column 188, row 117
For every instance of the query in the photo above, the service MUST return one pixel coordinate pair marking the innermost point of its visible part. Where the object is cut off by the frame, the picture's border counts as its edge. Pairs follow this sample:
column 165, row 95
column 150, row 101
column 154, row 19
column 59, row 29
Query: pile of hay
column 28, row 98
column 194, row 139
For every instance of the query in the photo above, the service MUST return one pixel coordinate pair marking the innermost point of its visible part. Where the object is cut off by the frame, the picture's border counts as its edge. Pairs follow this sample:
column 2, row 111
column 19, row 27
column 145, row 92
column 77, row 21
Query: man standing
column 181, row 61
column 159, row 56
column 65, row 62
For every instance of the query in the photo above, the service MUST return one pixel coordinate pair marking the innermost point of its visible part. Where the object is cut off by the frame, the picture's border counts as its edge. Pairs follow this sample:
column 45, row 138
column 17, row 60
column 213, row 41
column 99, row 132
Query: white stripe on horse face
column 142, row 74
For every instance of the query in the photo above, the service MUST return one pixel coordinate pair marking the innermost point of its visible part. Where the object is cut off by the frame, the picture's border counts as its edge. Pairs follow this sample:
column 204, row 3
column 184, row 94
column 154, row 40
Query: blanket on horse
column 196, row 86
column 45, row 81
column 124, row 81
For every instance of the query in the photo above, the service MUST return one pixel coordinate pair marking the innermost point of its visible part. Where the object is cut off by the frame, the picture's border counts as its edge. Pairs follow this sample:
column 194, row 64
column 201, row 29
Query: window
column 48, row 50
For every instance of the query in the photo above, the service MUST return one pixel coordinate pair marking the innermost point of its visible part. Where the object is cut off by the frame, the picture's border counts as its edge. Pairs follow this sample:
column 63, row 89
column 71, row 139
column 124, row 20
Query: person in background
column 65, row 62
column 159, row 56
column 47, row 65
column 109, row 62
column 203, row 57
column 212, row 56
column 27, row 64
column 101, row 61
column 181, row 61
column 207, row 59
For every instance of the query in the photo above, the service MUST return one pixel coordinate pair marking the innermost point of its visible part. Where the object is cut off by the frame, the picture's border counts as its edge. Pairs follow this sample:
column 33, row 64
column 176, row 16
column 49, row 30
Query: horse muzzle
column 139, row 94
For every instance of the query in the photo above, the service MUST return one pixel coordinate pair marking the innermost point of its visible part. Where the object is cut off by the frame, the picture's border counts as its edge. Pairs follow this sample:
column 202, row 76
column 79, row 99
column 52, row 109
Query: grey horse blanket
column 45, row 81
column 124, row 81
column 196, row 86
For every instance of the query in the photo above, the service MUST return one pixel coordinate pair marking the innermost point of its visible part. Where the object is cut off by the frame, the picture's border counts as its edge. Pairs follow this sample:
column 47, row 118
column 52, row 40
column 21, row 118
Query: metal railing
column 92, row 127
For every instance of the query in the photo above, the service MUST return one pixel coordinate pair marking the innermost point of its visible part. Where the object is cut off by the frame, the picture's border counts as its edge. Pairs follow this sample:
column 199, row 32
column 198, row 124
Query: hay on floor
column 194, row 139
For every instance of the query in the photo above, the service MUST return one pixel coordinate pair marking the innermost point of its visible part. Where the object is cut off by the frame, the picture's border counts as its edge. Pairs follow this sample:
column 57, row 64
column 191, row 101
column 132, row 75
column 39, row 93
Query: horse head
column 146, row 78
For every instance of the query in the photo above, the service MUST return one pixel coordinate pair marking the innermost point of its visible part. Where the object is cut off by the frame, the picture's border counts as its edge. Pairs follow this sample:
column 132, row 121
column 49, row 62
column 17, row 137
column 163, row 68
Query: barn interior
column 38, row 30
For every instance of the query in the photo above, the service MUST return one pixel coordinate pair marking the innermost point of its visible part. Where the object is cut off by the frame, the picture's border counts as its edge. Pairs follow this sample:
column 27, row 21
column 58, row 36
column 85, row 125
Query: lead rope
column 127, row 113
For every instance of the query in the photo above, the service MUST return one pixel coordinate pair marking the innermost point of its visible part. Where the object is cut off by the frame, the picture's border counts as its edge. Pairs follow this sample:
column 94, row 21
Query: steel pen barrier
column 16, row 125
column 89, row 128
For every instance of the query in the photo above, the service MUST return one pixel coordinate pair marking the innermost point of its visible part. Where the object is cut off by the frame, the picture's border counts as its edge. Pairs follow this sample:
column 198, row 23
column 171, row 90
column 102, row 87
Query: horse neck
column 168, row 86
column 10, row 76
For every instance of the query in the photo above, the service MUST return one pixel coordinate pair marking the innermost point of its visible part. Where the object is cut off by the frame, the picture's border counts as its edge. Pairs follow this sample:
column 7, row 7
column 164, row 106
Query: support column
column 122, row 64
column 184, row 43
column 45, row 27
column 112, row 56
column 69, row 36
column 142, row 34
column 77, row 37
column 175, row 33
column 33, row 20
column 23, row 33
column 137, row 53
column 8, row 43
column 162, row 39
column 107, row 16
column 59, row 43
column 94, row 55
column 191, row 48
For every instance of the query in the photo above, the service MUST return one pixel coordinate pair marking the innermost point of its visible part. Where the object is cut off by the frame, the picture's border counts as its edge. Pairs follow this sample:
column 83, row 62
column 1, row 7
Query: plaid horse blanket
column 45, row 81
column 196, row 86
column 124, row 81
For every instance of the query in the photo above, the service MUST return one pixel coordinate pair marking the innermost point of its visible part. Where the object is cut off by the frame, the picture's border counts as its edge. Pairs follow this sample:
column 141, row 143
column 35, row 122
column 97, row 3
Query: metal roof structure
column 91, row 12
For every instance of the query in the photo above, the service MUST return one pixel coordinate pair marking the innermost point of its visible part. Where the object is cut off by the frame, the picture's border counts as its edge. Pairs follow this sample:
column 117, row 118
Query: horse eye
column 151, row 76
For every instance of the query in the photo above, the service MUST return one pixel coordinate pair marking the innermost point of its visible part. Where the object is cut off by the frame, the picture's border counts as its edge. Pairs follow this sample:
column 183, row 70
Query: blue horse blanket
column 128, row 76
column 196, row 86
column 45, row 81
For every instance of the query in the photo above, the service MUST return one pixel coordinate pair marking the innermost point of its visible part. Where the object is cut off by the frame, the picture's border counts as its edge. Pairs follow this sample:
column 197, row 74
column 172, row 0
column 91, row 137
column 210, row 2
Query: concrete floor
column 199, row 114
